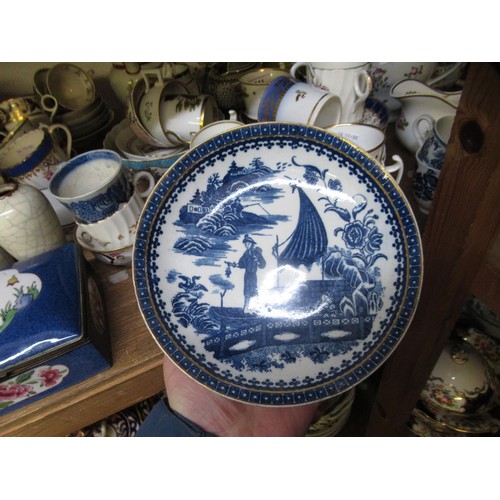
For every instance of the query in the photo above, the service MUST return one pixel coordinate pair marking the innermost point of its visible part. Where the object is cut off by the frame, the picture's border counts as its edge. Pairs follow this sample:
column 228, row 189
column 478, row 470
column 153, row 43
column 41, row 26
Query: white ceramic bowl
column 461, row 382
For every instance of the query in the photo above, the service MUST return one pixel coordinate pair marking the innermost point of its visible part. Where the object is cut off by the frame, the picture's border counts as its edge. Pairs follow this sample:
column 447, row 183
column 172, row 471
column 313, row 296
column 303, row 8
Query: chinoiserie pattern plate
column 277, row 264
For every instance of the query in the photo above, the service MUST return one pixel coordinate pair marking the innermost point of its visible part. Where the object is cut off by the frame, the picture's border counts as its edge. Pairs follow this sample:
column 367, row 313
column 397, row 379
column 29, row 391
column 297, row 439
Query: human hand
column 226, row 417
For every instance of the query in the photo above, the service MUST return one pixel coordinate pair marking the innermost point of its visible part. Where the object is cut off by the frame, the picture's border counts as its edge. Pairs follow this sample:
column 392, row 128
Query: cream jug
column 418, row 99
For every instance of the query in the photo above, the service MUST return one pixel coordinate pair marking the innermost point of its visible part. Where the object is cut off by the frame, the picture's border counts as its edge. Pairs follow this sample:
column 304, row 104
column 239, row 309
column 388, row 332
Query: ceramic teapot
column 418, row 99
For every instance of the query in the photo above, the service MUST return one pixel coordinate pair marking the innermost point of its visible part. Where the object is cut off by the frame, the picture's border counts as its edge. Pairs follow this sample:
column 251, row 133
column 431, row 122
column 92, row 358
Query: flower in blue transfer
column 354, row 234
column 373, row 240
column 334, row 185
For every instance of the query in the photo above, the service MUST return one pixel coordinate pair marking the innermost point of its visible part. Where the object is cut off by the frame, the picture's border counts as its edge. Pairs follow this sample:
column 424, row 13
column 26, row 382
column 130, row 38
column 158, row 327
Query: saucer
column 277, row 264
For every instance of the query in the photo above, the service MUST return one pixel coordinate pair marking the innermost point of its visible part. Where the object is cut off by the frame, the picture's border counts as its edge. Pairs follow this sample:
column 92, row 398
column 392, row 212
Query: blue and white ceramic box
column 53, row 328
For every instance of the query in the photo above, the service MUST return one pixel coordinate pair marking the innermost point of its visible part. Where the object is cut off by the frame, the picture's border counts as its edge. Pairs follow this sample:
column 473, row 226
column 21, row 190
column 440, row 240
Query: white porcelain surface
column 270, row 269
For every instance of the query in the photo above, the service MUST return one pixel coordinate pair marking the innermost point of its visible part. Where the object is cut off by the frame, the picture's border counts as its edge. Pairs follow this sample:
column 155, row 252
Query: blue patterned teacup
column 92, row 185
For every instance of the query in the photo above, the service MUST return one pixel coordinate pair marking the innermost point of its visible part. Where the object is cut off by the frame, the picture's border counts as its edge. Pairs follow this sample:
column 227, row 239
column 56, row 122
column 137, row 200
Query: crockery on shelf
column 461, row 382
column 286, row 100
column 71, row 86
column 244, row 264
column 425, row 183
column 215, row 128
column 34, row 157
column 182, row 116
column 118, row 229
column 372, row 140
column 418, row 99
column 253, row 85
column 117, row 256
column 348, row 80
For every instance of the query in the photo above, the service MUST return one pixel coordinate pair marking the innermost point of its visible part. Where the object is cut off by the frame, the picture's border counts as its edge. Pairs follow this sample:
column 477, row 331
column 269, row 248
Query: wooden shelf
column 457, row 240
column 136, row 373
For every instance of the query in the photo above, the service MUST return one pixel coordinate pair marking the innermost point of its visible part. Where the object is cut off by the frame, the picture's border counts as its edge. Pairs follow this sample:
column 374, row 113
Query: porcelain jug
column 418, row 99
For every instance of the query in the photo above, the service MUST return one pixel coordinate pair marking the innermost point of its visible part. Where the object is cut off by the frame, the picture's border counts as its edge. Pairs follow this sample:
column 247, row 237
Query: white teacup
column 253, row 85
column 372, row 140
column 118, row 229
column 348, row 80
column 287, row 100
column 150, row 103
column 34, row 157
column 182, row 116
column 367, row 137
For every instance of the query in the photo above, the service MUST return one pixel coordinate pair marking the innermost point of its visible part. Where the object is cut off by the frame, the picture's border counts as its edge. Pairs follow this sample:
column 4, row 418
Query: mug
column 92, row 185
column 182, row 116
column 433, row 146
column 372, row 140
column 348, row 80
column 34, row 157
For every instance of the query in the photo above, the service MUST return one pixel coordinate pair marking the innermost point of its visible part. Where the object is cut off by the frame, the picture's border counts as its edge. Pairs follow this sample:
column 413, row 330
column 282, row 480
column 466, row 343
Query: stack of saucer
column 68, row 94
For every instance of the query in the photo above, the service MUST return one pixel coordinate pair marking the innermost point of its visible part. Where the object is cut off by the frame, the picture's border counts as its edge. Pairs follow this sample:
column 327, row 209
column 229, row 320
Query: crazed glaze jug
column 418, row 99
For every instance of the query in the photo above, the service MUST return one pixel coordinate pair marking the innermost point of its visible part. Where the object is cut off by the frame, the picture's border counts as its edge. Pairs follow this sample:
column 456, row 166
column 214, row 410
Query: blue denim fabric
column 162, row 421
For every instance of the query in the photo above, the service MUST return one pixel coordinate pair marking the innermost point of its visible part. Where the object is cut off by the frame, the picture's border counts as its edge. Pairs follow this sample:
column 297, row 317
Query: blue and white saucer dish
column 277, row 264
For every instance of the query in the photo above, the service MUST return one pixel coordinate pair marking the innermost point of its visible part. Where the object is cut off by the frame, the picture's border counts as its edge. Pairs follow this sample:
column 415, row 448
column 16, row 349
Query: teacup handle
column 397, row 166
column 50, row 105
column 55, row 126
column 363, row 84
column 154, row 72
column 420, row 135
column 151, row 183
column 296, row 66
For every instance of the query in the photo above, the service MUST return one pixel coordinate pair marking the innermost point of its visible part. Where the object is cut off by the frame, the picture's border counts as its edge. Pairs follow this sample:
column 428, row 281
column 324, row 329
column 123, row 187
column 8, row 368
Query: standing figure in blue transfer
column 251, row 260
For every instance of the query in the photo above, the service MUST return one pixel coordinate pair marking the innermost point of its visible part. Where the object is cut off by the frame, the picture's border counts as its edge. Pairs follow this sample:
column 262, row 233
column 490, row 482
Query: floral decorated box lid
column 40, row 308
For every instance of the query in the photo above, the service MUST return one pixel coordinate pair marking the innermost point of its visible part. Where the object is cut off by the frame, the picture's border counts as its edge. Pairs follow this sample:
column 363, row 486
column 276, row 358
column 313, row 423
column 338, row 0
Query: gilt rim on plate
column 363, row 264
